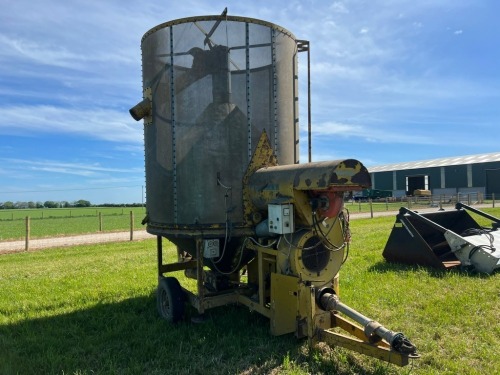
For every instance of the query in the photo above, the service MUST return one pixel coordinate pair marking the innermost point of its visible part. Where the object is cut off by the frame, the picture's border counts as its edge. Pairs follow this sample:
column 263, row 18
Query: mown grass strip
column 64, row 226
column 47, row 213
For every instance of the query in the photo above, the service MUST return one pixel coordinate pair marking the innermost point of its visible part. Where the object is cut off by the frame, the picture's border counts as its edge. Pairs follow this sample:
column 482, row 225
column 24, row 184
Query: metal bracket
column 148, row 94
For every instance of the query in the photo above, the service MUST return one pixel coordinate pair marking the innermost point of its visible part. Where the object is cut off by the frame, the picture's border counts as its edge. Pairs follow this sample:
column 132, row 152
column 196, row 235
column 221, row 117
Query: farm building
column 445, row 176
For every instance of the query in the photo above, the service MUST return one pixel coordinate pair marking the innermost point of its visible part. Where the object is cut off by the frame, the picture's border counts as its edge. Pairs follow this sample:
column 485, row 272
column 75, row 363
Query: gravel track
column 83, row 239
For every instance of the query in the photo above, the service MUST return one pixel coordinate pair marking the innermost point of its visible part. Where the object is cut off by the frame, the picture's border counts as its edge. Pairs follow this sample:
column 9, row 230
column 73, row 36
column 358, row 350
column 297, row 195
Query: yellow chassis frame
column 290, row 304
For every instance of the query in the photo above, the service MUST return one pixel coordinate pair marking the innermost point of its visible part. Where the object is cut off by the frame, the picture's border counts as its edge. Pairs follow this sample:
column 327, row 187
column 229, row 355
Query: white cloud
column 330, row 71
column 74, row 68
column 39, row 53
column 339, row 7
column 71, row 168
column 385, row 134
column 98, row 123
column 370, row 134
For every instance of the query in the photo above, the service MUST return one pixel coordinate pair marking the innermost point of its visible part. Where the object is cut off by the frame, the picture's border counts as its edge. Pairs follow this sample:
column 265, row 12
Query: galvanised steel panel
column 212, row 96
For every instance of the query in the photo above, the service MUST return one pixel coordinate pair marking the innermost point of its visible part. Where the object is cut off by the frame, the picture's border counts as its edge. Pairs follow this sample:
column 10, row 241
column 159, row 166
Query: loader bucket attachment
column 419, row 238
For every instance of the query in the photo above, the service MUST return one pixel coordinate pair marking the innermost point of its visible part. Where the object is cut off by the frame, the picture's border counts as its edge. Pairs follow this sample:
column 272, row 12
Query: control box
column 211, row 248
column 280, row 217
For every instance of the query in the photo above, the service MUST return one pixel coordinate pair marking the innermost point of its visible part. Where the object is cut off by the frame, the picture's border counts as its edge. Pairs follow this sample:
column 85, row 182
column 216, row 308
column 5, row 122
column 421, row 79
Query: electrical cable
column 259, row 244
column 289, row 242
column 238, row 264
column 347, row 232
column 316, row 225
column 480, row 232
column 226, row 234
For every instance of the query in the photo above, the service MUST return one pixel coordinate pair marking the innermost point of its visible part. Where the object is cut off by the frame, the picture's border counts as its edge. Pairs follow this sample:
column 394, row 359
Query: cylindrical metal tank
column 214, row 84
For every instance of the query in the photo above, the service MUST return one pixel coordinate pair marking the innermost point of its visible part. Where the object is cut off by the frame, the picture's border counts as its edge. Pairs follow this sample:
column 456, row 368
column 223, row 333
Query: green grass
column 92, row 310
column 59, row 222
column 47, row 213
column 382, row 206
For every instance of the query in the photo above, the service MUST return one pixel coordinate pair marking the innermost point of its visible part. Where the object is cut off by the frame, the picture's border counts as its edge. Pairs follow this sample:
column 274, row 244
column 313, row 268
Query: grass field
column 92, row 310
column 381, row 206
column 48, row 213
column 63, row 221
column 52, row 222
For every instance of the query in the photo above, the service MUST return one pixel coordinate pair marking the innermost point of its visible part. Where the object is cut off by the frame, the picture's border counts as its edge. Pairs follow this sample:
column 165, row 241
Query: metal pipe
column 141, row 109
column 304, row 46
column 214, row 27
column 476, row 211
column 309, row 126
column 416, row 215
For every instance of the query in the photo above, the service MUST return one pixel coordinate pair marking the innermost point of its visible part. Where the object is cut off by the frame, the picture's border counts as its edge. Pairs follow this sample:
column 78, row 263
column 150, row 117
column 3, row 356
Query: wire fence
column 378, row 206
column 43, row 228
column 34, row 228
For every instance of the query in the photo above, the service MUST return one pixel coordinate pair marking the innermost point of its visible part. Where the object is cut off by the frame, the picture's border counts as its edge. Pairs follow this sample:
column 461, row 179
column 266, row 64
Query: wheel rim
column 165, row 304
column 170, row 301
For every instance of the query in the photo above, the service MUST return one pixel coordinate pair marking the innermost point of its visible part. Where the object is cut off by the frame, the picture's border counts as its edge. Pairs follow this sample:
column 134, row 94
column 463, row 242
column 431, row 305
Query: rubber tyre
column 170, row 299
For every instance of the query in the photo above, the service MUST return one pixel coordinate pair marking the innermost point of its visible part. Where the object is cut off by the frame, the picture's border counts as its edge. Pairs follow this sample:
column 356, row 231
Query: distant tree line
column 60, row 204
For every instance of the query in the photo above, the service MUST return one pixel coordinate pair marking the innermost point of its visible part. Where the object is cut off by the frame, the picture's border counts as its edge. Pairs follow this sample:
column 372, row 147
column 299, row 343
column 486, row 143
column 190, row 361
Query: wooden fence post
column 493, row 198
column 100, row 222
column 27, row 242
column 371, row 208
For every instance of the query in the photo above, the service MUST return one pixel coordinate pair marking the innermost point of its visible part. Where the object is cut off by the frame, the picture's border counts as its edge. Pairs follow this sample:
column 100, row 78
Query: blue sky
column 392, row 81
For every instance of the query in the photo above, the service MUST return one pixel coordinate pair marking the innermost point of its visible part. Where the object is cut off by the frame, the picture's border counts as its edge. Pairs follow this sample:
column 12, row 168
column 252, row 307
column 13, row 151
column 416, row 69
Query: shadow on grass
column 129, row 338
column 384, row 266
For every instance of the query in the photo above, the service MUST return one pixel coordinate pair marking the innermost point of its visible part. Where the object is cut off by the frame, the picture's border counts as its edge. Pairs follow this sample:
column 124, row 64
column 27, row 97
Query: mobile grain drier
column 223, row 183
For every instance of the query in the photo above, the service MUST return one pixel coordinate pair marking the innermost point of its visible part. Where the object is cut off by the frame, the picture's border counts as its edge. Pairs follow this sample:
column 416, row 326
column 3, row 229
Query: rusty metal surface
column 339, row 175
column 295, row 182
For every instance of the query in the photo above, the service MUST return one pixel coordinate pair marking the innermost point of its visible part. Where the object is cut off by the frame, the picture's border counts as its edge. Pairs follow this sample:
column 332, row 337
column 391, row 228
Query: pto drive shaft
column 373, row 330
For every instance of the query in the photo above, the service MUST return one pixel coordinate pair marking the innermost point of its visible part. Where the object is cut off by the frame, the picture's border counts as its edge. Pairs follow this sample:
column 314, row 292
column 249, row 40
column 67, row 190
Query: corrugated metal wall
column 480, row 177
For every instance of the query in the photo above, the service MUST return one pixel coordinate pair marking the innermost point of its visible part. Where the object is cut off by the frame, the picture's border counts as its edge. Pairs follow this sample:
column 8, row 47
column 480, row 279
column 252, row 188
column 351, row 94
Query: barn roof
column 441, row 162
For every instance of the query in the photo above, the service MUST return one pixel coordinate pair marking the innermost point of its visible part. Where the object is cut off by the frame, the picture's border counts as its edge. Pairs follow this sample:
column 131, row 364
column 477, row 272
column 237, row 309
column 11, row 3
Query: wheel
column 170, row 299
